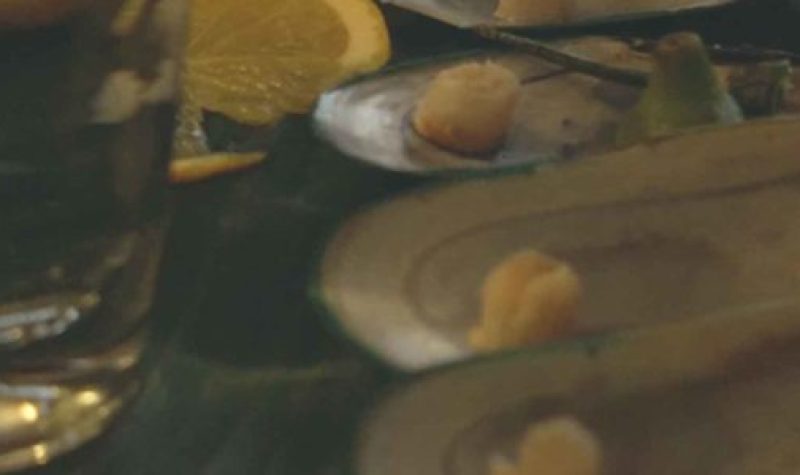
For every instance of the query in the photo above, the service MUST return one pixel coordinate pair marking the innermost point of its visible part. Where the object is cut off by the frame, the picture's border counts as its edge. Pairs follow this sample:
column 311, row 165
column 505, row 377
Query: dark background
column 243, row 376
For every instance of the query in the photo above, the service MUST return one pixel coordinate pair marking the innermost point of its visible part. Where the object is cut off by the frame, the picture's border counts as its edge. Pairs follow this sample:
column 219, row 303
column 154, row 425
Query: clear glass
column 87, row 103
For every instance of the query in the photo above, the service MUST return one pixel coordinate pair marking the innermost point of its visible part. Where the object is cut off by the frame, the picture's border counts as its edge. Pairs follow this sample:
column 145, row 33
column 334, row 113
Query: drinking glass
column 87, row 101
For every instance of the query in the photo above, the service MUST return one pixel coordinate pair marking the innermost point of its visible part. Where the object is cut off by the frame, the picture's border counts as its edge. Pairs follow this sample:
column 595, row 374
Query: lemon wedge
column 255, row 61
column 368, row 45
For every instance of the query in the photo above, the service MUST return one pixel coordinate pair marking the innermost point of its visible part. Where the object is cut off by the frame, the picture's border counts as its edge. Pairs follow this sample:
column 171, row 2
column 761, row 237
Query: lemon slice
column 368, row 39
column 33, row 13
column 257, row 60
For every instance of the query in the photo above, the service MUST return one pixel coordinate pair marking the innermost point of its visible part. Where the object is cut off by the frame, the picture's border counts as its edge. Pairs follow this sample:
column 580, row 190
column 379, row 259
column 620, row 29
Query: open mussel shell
column 715, row 395
column 560, row 115
column 665, row 230
column 473, row 13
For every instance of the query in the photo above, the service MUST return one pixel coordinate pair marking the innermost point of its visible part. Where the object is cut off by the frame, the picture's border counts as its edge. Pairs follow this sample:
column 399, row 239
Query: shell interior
column 668, row 230
column 471, row 13
column 714, row 395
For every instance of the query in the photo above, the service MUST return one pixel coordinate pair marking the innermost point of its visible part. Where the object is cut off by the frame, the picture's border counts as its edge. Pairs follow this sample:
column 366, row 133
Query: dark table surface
column 243, row 376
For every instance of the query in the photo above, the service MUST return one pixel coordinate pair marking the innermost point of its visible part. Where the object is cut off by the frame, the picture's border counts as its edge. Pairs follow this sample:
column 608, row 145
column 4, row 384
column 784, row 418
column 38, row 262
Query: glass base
column 70, row 360
column 48, row 413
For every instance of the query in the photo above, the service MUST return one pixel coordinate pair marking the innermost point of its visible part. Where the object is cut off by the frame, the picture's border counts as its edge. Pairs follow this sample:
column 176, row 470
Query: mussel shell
column 472, row 13
column 715, row 395
column 665, row 230
column 560, row 115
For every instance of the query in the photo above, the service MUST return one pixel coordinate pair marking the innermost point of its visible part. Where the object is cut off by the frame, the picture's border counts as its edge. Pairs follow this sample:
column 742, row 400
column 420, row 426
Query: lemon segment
column 369, row 46
column 257, row 60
